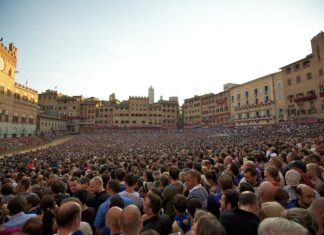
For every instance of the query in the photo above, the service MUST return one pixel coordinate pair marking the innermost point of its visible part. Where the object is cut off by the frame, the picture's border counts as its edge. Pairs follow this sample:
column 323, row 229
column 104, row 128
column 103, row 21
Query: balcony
column 305, row 98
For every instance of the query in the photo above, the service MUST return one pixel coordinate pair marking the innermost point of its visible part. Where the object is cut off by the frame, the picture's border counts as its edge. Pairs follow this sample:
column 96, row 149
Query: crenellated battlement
column 138, row 97
column 11, row 50
column 18, row 85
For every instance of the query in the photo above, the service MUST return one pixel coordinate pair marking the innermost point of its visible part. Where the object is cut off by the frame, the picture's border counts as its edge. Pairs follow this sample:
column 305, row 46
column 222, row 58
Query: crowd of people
column 18, row 142
column 245, row 180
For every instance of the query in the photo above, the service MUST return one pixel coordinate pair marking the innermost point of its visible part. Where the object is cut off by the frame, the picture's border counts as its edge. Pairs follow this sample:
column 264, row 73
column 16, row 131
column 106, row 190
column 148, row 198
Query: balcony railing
column 305, row 98
column 248, row 106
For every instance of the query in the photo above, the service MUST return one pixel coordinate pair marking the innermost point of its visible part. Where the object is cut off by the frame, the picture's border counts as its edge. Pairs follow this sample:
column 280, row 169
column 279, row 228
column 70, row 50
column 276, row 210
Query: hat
column 297, row 164
column 292, row 178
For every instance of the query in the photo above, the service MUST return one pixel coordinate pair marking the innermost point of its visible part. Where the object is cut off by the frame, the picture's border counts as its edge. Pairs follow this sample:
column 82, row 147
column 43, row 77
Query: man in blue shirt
column 16, row 208
column 112, row 190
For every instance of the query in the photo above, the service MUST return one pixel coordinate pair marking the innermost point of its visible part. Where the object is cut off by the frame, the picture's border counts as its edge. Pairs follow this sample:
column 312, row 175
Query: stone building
column 18, row 103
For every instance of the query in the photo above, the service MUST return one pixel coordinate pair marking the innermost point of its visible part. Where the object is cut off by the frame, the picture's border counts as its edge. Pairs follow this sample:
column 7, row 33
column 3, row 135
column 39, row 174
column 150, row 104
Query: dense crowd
column 19, row 142
column 244, row 180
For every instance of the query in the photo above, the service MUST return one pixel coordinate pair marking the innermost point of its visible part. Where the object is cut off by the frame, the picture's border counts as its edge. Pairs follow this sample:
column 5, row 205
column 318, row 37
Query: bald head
column 267, row 192
column 113, row 219
column 130, row 221
column 69, row 215
column 305, row 194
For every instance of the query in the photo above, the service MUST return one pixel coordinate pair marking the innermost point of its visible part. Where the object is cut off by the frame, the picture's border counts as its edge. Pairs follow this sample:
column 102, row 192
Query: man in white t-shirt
column 130, row 181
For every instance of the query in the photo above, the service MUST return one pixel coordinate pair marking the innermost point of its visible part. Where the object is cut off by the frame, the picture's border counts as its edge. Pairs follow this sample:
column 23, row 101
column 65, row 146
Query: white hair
column 280, row 226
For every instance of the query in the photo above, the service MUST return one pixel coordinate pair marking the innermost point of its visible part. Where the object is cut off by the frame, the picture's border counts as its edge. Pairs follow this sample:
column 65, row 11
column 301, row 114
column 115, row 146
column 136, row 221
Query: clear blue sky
column 180, row 47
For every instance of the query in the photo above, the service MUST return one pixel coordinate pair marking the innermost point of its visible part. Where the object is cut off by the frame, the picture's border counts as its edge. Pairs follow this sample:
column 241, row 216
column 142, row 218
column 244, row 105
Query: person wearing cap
column 301, row 168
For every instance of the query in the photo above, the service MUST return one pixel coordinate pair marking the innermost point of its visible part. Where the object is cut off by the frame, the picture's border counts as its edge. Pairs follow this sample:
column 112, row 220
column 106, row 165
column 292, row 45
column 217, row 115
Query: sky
column 180, row 47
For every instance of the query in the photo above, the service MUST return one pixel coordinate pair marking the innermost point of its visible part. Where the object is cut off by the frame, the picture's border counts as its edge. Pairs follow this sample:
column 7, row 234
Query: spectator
column 151, row 218
column 74, row 185
column 113, row 217
column 192, row 179
column 248, row 212
column 130, row 220
column 16, row 207
column 292, row 179
column 68, row 218
column 176, row 187
column 305, row 218
column 229, row 200
column 267, row 192
column 271, row 209
column 182, row 222
column 130, row 182
column 100, row 195
column 305, row 197
column 280, row 226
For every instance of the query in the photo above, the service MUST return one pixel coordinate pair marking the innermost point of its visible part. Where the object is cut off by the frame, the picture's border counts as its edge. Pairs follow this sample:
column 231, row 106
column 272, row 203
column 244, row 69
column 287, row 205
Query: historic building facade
column 18, row 103
column 50, row 124
column 89, row 112
column 207, row 110
column 47, row 102
column 304, row 85
column 254, row 102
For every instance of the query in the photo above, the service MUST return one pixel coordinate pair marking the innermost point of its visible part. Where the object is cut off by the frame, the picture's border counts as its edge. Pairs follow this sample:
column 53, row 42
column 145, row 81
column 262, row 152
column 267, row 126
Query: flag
column 55, row 87
column 26, row 82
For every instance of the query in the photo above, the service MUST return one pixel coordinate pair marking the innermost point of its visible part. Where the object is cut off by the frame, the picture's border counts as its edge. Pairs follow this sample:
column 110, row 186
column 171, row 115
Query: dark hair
column 130, row 179
column 174, row 172
column 197, row 166
column 180, row 203
column 149, row 176
column 114, row 185
column 120, row 174
column 7, row 189
column 47, row 203
column 17, row 204
column 85, row 180
column 116, row 200
column 231, row 197
column 244, row 186
column 234, row 168
column 247, row 198
column 105, row 178
column 281, row 194
column 192, row 205
column 211, row 175
column 32, row 199
column 75, row 178
column 58, row 186
column 82, row 194
column 164, row 180
column 155, row 202
column 25, row 182
column 251, row 170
